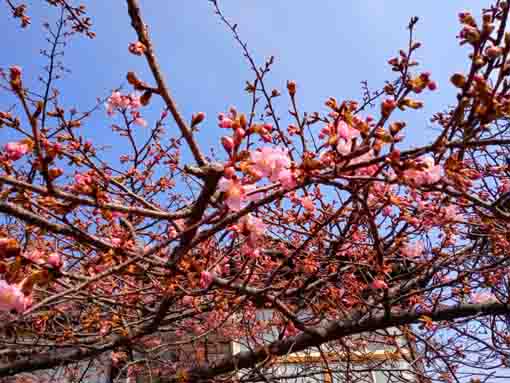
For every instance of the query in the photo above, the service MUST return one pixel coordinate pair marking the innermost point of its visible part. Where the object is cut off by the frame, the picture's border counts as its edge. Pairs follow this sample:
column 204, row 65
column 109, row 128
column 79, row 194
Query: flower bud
column 387, row 106
column 55, row 260
column 239, row 135
column 396, row 127
column 432, row 85
column 55, row 172
column 146, row 97
column 15, row 77
column 228, row 143
column 291, row 87
column 197, row 118
column 458, row 80
column 393, row 61
column 229, row 172
column 493, row 52
column 470, row 34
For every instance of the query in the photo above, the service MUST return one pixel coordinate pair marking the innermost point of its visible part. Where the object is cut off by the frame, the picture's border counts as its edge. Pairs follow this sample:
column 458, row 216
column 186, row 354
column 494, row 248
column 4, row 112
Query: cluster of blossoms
column 83, row 183
column 235, row 192
column 206, row 279
column 12, row 298
column 131, row 102
column 345, row 136
column 273, row 163
column 239, row 125
column 426, row 173
column 41, row 258
column 253, row 228
column 266, row 162
column 342, row 133
column 482, row 298
column 15, row 150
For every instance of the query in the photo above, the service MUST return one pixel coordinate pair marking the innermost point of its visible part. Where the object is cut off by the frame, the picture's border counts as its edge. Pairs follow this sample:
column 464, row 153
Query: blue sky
column 327, row 46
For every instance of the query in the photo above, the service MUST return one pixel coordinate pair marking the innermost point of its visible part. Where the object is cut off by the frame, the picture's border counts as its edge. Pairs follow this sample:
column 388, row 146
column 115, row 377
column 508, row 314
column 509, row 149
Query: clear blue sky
column 328, row 46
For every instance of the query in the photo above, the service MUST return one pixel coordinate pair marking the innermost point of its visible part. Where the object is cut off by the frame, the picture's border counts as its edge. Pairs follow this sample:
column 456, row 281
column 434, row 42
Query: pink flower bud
column 206, row 279
column 15, row 150
column 55, row 260
column 432, row 85
column 228, row 143
column 379, row 284
column 238, row 135
column 225, row 123
column 229, row 172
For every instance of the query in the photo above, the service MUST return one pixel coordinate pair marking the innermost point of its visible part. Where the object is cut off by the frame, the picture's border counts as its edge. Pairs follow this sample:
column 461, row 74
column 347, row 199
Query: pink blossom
column 116, row 242
column 290, row 329
column 345, row 131
column 345, row 134
column 379, row 284
column 287, row 178
column 114, row 101
column 451, row 213
column 35, row 256
column 140, row 122
column 133, row 101
column 229, row 172
column 308, row 204
column 12, row 298
column 15, row 150
column 206, row 279
column 271, row 162
column 430, row 173
column 387, row 210
column 412, row 250
column 343, row 146
column 187, row 300
column 234, row 192
column 252, row 226
column 481, row 298
column 55, row 260
column 120, row 101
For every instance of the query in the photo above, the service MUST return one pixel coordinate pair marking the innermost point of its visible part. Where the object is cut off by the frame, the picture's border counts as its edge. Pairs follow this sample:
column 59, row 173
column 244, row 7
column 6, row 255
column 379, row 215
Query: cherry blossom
column 235, row 192
column 55, row 260
column 428, row 174
column 206, row 279
column 482, row 297
column 12, row 298
column 412, row 249
column 15, row 150
column 379, row 284
column 271, row 162
column 252, row 226
column 307, row 203
column 346, row 134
